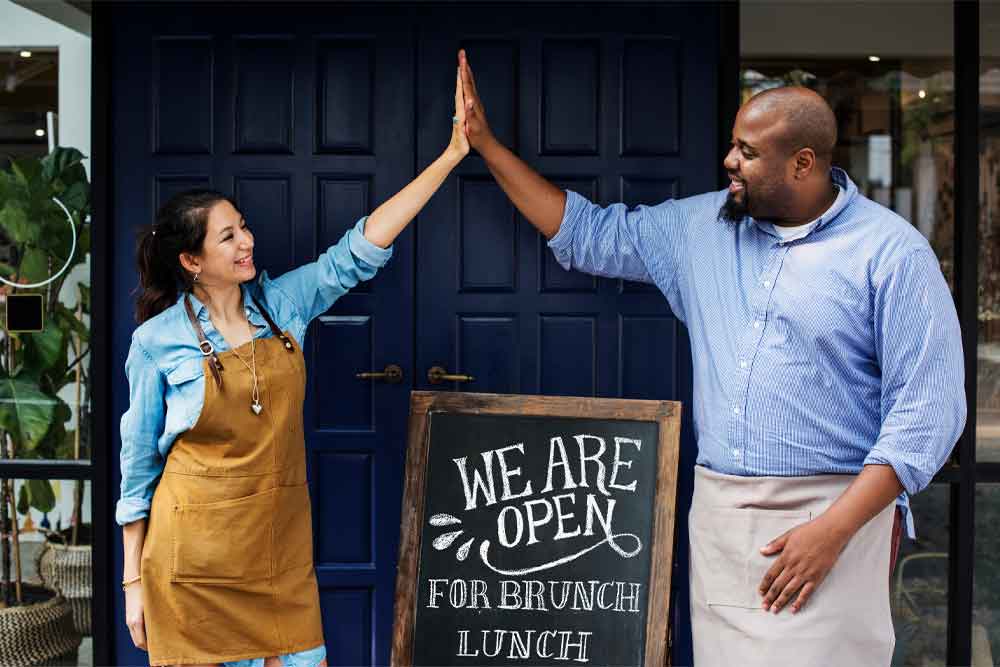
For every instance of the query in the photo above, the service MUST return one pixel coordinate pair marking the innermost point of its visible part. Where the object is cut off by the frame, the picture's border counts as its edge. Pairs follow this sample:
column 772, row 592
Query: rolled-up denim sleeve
column 315, row 287
column 919, row 348
column 141, row 428
column 618, row 242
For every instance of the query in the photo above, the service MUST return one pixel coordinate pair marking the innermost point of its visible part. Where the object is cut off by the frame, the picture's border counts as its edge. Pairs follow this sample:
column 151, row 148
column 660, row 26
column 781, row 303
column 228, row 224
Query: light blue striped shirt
column 817, row 354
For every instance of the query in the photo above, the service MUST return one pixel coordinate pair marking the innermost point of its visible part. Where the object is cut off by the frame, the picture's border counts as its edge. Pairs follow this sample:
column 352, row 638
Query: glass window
column 919, row 584
column 986, row 592
column 988, row 349
column 895, row 122
column 986, row 596
column 46, row 570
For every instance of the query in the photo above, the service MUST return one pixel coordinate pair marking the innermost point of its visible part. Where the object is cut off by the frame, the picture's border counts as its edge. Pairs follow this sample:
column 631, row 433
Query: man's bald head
column 802, row 117
column 780, row 157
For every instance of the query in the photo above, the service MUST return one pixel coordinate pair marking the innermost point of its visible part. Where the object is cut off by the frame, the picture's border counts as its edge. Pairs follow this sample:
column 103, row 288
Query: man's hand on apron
column 807, row 553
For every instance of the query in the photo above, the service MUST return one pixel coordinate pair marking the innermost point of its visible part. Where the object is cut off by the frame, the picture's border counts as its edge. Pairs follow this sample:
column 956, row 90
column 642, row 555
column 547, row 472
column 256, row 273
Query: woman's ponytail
column 180, row 227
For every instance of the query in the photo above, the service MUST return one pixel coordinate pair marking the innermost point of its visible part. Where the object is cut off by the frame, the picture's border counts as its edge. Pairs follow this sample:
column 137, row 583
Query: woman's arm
column 141, row 466
column 134, row 536
column 366, row 247
column 389, row 219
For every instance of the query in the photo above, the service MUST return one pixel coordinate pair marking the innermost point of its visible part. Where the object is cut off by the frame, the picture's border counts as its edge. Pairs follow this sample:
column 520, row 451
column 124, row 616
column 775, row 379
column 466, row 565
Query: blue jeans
column 308, row 658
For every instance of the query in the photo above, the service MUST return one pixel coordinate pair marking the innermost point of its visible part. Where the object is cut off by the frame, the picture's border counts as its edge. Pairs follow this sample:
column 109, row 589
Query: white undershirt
column 799, row 231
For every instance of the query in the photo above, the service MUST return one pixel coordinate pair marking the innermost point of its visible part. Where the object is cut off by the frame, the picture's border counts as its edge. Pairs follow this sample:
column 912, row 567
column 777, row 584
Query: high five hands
column 476, row 128
column 459, row 144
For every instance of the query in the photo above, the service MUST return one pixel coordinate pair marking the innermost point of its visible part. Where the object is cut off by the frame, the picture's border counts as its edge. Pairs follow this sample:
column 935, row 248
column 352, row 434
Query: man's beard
column 732, row 211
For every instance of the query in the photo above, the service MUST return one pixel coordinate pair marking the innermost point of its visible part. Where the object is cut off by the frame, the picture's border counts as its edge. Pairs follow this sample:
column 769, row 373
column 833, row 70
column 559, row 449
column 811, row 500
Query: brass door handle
column 392, row 374
column 437, row 375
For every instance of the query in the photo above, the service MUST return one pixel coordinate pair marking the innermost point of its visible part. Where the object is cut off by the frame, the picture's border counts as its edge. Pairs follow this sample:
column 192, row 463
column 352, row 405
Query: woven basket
column 40, row 633
column 67, row 569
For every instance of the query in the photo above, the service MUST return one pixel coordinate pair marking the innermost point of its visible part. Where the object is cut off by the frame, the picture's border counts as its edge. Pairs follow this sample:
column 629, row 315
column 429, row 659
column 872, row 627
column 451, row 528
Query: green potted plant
column 36, row 622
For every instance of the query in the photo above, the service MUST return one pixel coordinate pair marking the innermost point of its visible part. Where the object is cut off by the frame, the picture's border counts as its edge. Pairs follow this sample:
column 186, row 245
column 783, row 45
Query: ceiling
column 29, row 87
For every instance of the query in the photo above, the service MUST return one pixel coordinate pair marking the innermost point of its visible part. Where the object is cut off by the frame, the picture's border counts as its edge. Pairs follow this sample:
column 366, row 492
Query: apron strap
column 274, row 327
column 207, row 349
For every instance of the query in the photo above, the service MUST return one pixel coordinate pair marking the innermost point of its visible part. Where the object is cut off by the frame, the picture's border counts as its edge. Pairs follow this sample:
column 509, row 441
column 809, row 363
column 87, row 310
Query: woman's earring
column 196, row 277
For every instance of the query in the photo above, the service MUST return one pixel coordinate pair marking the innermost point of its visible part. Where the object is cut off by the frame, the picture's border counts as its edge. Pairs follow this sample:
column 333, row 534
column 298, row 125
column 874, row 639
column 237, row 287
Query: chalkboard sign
column 536, row 531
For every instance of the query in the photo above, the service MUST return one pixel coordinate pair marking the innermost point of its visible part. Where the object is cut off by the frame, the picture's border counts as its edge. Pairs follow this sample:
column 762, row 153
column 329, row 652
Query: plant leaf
column 48, row 346
column 61, row 163
column 34, row 266
column 75, row 197
column 41, row 494
column 25, row 411
column 23, row 502
column 28, row 173
column 85, row 293
column 17, row 224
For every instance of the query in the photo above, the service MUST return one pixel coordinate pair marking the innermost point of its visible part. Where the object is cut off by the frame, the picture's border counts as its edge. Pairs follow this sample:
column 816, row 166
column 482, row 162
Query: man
column 828, row 375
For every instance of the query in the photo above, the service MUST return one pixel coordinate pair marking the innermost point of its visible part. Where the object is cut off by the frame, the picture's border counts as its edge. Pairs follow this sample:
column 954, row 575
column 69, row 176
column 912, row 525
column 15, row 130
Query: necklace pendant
column 256, row 407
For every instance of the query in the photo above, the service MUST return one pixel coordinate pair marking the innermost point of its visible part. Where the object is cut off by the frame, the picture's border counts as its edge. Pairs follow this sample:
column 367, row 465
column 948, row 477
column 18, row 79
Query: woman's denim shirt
column 165, row 366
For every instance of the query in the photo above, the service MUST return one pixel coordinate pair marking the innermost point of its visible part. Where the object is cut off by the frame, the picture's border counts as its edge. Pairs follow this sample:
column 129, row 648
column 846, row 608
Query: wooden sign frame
column 667, row 414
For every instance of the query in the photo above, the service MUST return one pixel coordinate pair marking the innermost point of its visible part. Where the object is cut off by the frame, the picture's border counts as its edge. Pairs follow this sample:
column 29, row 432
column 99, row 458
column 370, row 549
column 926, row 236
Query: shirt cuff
column 904, row 472
column 903, row 503
column 562, row 243
column 131, row 509
column 365, row 250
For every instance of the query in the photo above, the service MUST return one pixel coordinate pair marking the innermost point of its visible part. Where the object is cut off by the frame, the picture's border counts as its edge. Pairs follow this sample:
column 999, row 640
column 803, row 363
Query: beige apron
column 227, row 568
column 847, row 619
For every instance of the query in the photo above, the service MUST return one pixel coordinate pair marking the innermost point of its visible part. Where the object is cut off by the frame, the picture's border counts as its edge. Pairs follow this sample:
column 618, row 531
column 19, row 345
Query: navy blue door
column 312, row 115
column 617, row 103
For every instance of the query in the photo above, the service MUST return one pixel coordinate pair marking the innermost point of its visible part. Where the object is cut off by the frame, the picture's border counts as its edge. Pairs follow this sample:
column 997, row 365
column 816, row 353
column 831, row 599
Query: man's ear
column 805, row 162
column 189, row 262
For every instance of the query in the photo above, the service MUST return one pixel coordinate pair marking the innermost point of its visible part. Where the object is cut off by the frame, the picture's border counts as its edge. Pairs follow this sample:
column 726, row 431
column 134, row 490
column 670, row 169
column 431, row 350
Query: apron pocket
column 767, row 525
column 727, row 542
column 223, row 542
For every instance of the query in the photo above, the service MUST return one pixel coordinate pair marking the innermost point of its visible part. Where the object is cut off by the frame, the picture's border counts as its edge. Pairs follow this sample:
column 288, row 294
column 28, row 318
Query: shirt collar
column 253, row 312
column 848, row 191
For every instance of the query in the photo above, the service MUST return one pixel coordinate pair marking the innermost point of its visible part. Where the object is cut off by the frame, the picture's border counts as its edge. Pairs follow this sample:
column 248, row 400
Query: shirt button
column 736, row 411
column 736, row 453
column 756, row 324
column 767, row 283
column 743, row 364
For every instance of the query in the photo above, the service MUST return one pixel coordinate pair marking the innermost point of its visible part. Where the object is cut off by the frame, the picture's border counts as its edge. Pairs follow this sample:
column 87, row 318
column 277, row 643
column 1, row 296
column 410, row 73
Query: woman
column 218, row 539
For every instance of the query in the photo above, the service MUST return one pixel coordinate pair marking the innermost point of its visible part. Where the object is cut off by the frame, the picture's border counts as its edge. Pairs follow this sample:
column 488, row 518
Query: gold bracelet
column 126, row 584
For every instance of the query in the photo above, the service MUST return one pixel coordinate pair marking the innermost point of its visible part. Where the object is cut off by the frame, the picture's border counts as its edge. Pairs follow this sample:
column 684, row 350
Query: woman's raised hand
column 459, row 141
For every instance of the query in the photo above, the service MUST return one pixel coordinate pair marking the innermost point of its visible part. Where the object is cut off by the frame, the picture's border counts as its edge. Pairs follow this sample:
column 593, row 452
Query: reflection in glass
column 986, row 592
column 919, row 584
column 895, row 124
column 988, row 348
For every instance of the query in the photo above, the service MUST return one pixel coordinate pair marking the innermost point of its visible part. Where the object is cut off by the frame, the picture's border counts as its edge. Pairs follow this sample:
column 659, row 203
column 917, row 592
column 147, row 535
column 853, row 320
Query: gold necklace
column 252, row 367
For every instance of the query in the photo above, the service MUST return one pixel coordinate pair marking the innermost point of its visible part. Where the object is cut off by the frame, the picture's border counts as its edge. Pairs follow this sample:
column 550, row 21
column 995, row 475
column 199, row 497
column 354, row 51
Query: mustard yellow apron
column 227, row 569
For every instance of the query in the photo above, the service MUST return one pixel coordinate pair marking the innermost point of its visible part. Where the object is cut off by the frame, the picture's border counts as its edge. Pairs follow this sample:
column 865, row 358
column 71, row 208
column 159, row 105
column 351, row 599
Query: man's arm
column 809, row 552
column 918, row 346
column 610, row 241
column 538, row 200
